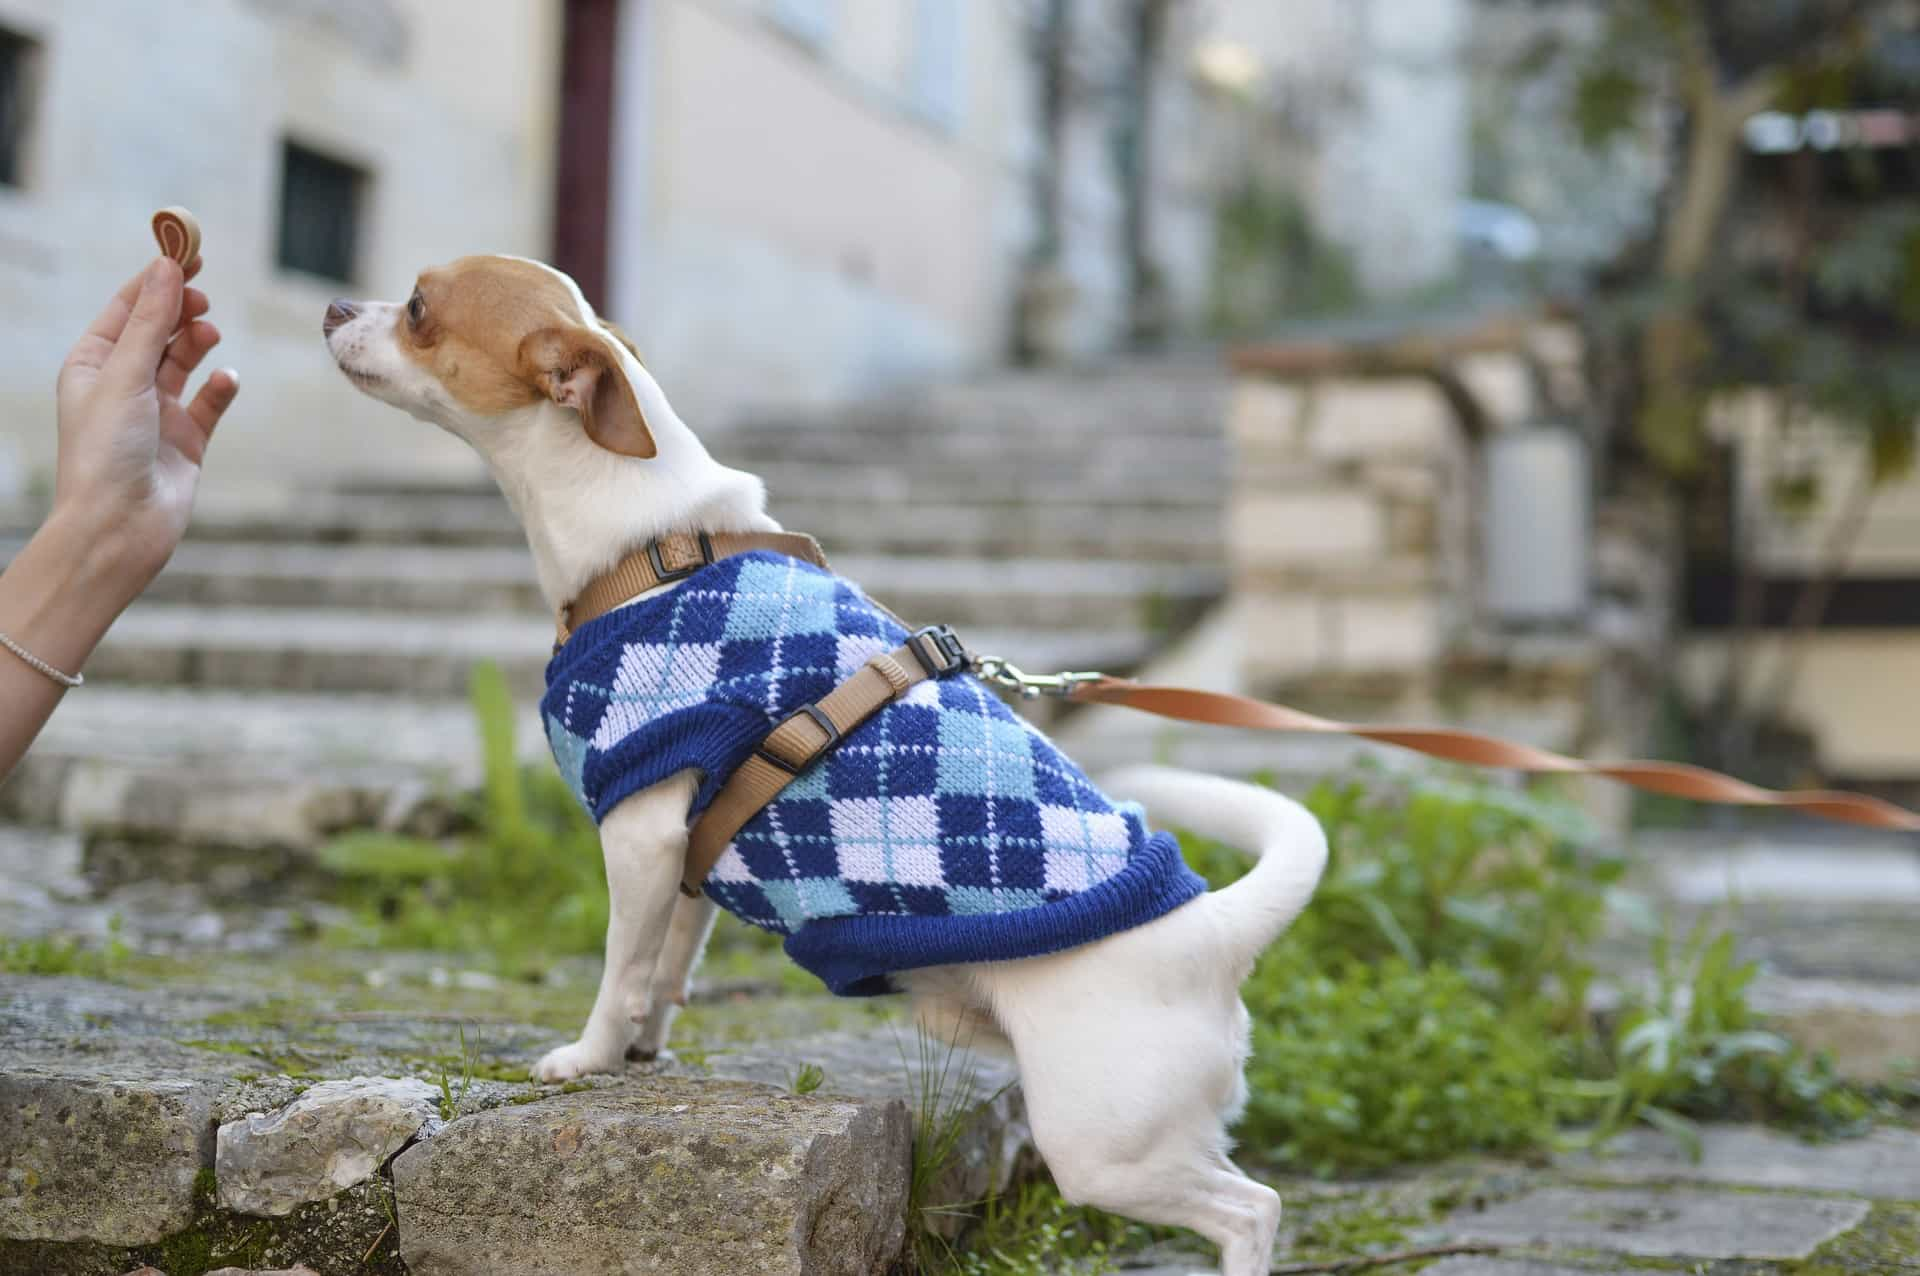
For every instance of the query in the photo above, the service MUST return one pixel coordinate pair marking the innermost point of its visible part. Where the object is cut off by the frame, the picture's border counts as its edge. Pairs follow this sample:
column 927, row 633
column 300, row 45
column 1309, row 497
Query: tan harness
column 811, row 731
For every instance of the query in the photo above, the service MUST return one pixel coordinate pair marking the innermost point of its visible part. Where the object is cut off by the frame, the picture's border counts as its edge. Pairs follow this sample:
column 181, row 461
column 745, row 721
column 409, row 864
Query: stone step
column 498, row 584
column 902, row 523
column 182, row 772
column 320, row 649
column 1151, row 533
column 471, row 579
column 931, row 451
column 1167, row 483
column 1036, row 594
column 1161, row 400
column 443, row 515
column 141, row 1123
column 432, row 655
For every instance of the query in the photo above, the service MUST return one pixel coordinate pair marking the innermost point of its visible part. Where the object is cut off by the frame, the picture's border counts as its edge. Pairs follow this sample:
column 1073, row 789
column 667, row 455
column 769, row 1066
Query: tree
column 1147, row 29
column 1043, row 289
column 1797, row 274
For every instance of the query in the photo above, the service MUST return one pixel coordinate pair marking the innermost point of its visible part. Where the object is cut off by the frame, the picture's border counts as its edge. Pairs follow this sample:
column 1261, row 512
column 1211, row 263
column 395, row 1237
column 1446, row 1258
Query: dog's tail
column 1291, row 845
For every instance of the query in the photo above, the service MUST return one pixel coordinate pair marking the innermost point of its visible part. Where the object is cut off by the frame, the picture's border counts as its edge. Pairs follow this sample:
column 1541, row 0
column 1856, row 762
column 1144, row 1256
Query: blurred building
column 1363, row 106
column 788, row 202
column 328, row 147
column 792, row 200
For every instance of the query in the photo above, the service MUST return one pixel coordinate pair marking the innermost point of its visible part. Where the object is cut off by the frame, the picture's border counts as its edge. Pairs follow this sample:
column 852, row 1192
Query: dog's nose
column 339, row 312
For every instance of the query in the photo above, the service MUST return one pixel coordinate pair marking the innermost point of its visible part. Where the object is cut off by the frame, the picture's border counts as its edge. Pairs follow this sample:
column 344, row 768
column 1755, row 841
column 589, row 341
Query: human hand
column 130, row 444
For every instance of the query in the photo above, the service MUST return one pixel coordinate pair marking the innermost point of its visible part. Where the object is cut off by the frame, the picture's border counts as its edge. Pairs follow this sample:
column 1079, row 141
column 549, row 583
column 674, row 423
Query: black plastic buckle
column 939, row 650
column 667, row 576
column 820, row 720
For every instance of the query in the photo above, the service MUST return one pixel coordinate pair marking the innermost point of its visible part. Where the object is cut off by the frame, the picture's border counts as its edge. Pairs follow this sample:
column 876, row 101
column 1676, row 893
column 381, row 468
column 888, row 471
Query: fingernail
column 233, row 375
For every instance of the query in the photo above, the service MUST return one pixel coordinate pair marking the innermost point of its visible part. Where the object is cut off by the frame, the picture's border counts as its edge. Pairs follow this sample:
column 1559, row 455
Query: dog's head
column 486, row 345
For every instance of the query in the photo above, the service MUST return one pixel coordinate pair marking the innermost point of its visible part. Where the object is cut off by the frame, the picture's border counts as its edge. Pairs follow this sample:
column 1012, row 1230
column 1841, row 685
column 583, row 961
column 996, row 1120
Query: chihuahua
column 1130, row 1036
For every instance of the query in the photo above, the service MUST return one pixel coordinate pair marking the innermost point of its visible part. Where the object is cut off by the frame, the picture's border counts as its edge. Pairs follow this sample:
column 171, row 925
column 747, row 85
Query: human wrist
column 67, row 586
column 105, row 553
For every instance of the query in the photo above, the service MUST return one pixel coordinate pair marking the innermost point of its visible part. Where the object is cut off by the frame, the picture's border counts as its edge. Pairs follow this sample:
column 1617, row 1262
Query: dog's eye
column 416, row 309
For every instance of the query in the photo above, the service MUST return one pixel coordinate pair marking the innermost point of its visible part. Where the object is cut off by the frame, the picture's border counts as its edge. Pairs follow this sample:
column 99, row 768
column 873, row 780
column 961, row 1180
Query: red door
column 583, row 184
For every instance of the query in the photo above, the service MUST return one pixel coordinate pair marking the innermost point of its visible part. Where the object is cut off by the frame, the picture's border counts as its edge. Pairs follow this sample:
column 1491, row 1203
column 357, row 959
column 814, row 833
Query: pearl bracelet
column 69, row 680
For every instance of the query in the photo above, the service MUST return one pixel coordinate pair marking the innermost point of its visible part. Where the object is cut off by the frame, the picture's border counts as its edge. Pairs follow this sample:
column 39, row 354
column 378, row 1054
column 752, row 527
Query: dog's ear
column 577, row 369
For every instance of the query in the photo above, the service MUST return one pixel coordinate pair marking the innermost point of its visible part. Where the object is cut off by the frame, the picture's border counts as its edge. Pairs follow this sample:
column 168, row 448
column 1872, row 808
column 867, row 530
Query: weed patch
column 1432, row 1000
column 55, row 956
column 521, row 886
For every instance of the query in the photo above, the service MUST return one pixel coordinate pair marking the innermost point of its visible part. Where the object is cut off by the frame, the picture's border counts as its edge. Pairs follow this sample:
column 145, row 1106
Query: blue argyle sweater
column 943, row 829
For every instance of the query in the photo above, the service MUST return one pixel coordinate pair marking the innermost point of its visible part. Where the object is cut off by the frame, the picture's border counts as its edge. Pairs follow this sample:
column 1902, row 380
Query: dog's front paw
column 576, row 1060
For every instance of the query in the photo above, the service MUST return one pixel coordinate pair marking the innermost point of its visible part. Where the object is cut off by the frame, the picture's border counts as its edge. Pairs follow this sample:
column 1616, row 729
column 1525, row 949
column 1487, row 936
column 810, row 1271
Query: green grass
column 522, row 886
column 56, row 956
column 1432, row 999
column 808, row 1078
column 1034, row 1231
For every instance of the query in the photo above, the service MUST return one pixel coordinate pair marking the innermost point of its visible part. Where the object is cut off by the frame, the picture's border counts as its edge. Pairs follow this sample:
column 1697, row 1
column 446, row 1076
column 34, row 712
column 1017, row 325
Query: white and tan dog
column 1130, row 1049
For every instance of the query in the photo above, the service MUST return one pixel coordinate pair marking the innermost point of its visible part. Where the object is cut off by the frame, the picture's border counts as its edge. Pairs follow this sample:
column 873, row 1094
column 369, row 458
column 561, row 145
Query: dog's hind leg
column 1208, row 1194
column 644, row 840
column 1130, row 1052
column 671, row 979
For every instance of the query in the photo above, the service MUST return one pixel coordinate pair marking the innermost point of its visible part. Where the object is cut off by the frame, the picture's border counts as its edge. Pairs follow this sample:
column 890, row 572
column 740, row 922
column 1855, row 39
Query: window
column 939, row 60
column 19, row 91
column 808, row 21
column 320, row 207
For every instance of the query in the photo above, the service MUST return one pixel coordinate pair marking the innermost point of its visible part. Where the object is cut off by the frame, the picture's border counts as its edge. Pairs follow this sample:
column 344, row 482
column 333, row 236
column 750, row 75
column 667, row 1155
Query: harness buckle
column 820, row 719
column 939, row 651
column 667, row 575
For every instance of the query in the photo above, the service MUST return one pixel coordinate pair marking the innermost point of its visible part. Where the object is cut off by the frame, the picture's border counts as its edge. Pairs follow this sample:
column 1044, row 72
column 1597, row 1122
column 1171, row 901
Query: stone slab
column 1804, row 874
column 1884, row 1164
column 98, row 1153
column 693, row 1178
column 336, row 1134
column 1663, row 1222
column 996, row 1142
column 1485, row 1265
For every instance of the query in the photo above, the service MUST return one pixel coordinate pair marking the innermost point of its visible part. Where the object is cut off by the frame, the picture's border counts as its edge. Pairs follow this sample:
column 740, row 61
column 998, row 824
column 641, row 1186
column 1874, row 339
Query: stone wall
column 1347, row 527
column 1356, row 541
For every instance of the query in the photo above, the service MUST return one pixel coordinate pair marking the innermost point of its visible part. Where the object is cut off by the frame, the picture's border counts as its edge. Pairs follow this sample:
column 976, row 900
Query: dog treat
column 178, row 233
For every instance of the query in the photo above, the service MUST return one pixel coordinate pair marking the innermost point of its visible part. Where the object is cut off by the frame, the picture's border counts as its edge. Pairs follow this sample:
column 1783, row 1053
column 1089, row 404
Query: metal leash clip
column 1031, row 686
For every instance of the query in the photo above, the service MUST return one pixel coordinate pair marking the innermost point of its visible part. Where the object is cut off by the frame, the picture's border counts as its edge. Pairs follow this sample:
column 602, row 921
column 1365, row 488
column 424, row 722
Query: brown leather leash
column 1674, row 779
column 813, row 730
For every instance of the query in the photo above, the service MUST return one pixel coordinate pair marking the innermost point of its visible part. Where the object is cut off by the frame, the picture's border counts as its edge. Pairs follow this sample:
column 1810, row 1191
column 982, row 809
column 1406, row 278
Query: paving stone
column 336, row 1134
column 1486, row 1265
column 1803, row 874
column 1872, row 1031
column 102, row 1150
column 995, row 1143
column 1884, row 1164
column 1663, row 1223
column 713, row 1178
column 40, row 863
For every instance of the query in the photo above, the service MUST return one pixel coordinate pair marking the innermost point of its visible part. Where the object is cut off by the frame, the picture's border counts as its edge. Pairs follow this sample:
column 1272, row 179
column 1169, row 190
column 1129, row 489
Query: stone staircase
column 301, row 667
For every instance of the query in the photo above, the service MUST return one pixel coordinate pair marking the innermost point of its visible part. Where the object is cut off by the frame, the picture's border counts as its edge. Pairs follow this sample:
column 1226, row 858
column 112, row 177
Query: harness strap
column 672, row 557
column 1674, row 779
column 807, row 734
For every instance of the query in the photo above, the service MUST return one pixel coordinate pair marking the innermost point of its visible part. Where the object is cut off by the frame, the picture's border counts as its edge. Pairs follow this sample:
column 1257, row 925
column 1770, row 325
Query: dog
column 1131, row 1047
